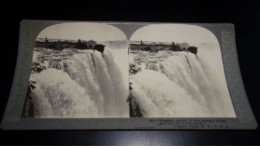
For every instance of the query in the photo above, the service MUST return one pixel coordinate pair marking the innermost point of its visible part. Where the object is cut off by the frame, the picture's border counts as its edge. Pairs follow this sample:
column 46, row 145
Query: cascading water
column 77, row 84
column 90, row 84
column 174, row 84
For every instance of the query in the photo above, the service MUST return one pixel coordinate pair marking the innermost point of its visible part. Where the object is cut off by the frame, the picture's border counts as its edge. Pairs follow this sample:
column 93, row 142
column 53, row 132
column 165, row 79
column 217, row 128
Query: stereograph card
column 127, row 75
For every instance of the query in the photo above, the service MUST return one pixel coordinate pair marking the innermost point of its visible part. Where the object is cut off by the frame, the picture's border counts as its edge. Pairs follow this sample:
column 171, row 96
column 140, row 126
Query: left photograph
column 79, row 70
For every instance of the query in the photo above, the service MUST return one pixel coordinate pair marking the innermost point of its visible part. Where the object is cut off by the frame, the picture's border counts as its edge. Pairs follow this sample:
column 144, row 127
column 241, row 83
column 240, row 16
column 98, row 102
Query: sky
column 191, row 34
column 84, row 31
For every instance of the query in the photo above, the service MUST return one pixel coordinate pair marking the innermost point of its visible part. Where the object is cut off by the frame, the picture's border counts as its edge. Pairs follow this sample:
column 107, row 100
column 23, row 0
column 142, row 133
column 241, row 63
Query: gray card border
column 225, row 34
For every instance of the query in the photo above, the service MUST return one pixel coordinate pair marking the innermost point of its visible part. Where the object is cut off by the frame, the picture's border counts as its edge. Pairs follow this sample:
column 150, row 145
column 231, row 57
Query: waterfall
column 176, row 86
column 87, row 84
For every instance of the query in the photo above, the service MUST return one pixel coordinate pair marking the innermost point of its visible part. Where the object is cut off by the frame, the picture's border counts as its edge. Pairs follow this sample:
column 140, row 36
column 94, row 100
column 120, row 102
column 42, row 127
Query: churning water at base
column 77, row 84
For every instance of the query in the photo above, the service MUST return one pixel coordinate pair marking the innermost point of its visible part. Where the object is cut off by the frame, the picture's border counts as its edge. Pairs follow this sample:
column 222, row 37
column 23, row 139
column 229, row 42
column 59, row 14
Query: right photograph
column 176, row 70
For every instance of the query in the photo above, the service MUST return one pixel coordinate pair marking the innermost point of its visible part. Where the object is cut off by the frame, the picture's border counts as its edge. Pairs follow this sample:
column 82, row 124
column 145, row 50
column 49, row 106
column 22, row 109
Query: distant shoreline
column 59, row 45
column 155, row 47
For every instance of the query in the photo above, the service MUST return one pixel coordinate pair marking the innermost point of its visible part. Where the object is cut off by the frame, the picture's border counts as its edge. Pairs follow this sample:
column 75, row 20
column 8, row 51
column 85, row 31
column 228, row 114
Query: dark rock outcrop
column 193, row 50
column 99, row 47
